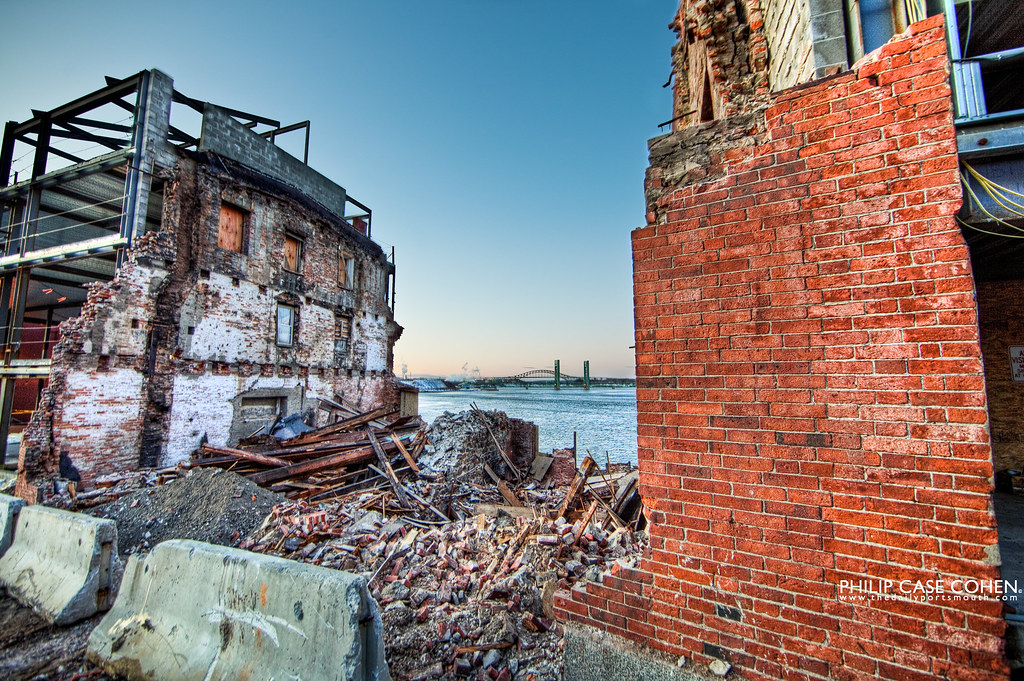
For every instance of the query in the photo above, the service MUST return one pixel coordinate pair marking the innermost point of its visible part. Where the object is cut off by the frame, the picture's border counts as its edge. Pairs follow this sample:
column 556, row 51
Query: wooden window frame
column 346, row 270
column 342, row 333
column 299, row 244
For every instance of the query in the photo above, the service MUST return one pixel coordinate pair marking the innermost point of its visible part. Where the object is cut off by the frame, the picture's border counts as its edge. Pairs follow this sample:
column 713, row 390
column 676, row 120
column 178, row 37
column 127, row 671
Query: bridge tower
column 586, row 374
column 558, row 374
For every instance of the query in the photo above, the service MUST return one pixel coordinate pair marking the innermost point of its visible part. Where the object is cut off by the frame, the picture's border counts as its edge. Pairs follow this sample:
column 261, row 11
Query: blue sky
column 500, row 143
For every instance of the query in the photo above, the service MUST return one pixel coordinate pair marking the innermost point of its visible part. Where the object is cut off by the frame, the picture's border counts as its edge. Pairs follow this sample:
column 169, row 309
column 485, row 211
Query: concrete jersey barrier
column 191, row 611
column 9, row 509
column 61, row 563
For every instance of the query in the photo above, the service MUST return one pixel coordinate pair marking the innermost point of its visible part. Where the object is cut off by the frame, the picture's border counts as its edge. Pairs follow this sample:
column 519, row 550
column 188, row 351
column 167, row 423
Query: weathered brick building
column 817, row 393
column 176, row 288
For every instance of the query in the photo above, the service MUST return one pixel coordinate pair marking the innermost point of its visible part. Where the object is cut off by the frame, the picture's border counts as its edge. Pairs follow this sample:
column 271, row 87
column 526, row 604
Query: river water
column 604, row 418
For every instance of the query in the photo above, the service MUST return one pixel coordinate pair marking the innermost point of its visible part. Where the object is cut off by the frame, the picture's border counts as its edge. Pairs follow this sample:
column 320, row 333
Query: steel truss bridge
column 548, row 377
column 538, row 373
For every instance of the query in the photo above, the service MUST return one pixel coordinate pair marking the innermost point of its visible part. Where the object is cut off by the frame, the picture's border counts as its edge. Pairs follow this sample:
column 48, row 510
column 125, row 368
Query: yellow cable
column 981, row 207
column 996, row 191
column 999, row 199
column 975, row 173
column 985, row 231
column 915, row 12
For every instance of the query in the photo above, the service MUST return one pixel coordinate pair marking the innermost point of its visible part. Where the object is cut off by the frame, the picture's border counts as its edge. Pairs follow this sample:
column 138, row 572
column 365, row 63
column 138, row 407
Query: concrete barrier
column 61, row 563
column 9, row 509
column 191, row 611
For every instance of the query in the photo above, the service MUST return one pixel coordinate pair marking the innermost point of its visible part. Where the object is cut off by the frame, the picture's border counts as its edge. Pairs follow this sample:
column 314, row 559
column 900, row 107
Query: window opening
column 707, row 107
column 286, row 325
column 346, row 270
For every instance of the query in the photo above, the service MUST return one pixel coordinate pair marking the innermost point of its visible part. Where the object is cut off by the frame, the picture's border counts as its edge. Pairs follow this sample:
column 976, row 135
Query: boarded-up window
column 285, row 325
column 347, row 270
column 292, row 252
column 342, row 333
column 232, row 228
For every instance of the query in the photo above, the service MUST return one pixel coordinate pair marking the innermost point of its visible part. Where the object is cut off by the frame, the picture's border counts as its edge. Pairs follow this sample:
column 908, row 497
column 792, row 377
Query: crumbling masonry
column 813, row 423
column 207, row 286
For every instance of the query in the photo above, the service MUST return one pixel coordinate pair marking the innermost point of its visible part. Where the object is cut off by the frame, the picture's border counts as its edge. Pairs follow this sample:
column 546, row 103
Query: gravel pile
column 209, row 505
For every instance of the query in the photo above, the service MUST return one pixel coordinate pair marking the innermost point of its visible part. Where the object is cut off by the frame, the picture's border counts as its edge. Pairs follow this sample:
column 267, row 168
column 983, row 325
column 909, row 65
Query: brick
column 828, row 295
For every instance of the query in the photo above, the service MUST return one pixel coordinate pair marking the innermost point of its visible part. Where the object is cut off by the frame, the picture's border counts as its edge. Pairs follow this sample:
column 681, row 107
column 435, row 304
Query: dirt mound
column 209, row 505
column 462, row 443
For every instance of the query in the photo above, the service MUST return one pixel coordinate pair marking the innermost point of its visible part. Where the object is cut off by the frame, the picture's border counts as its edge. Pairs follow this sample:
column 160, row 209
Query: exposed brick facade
column 811, row 394
column 720, row 63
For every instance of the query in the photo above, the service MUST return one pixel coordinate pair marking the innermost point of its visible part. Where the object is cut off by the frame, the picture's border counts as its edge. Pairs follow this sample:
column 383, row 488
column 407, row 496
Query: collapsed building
column 828, row 340
column 166, row 288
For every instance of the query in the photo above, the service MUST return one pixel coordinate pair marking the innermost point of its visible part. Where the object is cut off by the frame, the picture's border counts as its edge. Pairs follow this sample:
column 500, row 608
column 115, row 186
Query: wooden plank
column 348, row 424
column 389, row 472
column 586, row 520
column 626, row 492
column 243, row 454
column 426, row 504
column 291, row 253
column 419, row 441
column 613, row 517
column 577, row 485
column 492, row 510
column 504, row 489
column 501, row 645
column 405, row 453
column 400, row 422
column 230, row 231
column 349, row 458
column 540, row 466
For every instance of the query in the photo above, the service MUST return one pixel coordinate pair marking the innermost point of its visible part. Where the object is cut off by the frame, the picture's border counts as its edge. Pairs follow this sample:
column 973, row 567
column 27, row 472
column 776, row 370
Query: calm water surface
column 603, row 418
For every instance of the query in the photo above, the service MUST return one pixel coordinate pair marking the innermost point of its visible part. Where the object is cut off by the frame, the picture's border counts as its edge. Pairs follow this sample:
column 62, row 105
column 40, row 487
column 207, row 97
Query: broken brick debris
column 470, row 597
column 465, row 579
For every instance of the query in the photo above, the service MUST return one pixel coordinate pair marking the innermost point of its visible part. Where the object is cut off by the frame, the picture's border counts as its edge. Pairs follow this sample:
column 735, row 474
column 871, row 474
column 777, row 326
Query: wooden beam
column 577, row 485
column 504, row 489
column 350, row 458
column 248, row 456
column 389, row 472
column 405, row 453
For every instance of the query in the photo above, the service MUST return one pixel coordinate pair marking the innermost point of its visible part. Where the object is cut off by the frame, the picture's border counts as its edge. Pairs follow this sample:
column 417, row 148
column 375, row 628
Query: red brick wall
column 810, row 390
column 1001, row 315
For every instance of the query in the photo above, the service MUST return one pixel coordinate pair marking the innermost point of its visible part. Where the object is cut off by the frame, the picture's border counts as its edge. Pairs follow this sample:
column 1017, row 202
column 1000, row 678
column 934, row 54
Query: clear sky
column 501, row 144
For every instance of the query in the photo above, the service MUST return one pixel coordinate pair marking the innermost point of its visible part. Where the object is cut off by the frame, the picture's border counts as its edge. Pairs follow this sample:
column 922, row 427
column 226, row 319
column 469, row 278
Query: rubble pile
column 462, row 538
column 462, row 599
column 109, row 488
column 213, row 506
column 462, row 531
column 462, row 442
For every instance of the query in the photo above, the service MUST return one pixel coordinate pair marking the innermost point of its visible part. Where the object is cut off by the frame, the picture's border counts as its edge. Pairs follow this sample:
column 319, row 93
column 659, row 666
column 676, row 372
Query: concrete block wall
column 828, row 36
column 1001, row 314
column 224, row 135
column 811, row 399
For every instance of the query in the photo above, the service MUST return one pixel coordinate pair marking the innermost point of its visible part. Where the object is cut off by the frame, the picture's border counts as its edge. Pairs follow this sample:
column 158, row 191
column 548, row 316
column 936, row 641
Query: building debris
column 470, row 597
column 463, row 541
